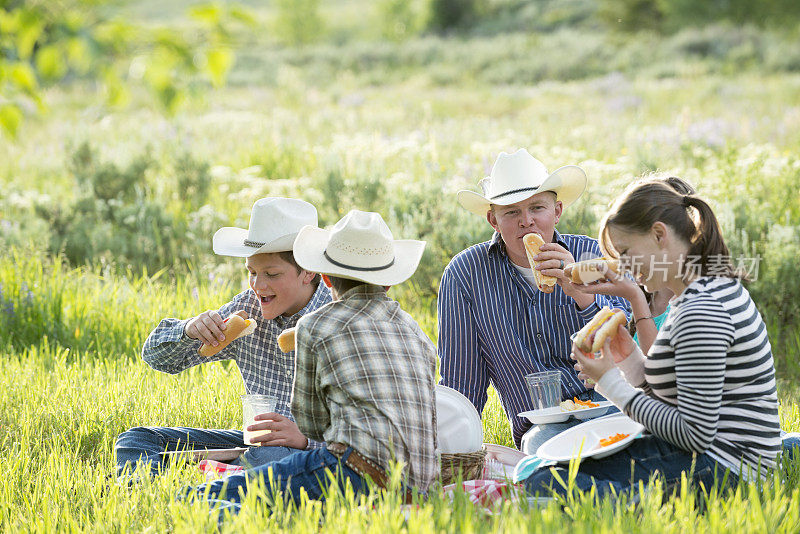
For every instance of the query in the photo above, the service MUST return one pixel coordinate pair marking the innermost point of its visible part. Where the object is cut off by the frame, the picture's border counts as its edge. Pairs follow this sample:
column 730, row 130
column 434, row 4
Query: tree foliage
column 672, row 15
column 43, row 43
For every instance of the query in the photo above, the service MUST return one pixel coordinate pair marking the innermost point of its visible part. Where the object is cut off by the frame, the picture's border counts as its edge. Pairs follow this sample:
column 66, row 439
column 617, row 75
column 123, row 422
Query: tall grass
column 60, row 413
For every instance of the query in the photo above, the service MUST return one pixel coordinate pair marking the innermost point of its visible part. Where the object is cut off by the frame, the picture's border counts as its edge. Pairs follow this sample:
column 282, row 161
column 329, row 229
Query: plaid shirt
column 365, row 378
column 265, row 369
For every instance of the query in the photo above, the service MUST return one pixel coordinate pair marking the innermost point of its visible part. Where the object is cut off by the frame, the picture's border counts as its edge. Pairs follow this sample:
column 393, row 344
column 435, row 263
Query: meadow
column 106, row 217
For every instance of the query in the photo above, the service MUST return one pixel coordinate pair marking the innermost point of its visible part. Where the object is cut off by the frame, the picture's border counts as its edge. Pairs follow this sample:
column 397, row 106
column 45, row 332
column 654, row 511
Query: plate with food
column 219, row 455
column 593, row 439
column 569, row 408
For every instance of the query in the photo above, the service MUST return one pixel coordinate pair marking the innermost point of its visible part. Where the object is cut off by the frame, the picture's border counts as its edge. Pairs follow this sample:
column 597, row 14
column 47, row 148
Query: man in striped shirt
column 495, row 326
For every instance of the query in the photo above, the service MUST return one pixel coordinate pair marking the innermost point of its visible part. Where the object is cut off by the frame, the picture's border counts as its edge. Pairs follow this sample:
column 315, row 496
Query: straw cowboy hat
column 359, row 247
column 274, row 224
column 518, row 176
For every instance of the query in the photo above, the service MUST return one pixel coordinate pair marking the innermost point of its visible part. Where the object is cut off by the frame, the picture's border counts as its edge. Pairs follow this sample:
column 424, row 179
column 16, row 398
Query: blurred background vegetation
column 132, row 130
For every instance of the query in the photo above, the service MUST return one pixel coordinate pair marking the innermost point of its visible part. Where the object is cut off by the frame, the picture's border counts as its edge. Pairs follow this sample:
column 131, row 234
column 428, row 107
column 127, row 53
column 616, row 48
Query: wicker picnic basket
column 464, row 465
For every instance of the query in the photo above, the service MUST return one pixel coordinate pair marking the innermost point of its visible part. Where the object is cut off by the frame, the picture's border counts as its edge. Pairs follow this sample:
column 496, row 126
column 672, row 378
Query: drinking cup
column 545, row 389
column 253, row 405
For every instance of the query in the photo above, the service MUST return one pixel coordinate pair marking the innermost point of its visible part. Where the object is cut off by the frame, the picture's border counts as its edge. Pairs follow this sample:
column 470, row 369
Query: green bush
column 118, row 218
column 298, row 21
column 447, row 15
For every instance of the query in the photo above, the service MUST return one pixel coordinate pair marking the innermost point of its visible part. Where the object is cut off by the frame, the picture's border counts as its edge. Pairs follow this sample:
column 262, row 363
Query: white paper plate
column 219, row 455
column 557, row 415
column 584, row 439
column 458, row 423
column 501, row 460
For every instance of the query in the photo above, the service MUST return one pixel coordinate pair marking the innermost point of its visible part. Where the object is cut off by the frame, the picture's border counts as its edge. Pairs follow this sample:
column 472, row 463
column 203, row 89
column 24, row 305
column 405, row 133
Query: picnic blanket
column 498, row 483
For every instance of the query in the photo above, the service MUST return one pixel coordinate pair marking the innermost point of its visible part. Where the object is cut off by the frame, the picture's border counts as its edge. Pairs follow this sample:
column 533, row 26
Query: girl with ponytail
column 705, row 392
column 649, row 309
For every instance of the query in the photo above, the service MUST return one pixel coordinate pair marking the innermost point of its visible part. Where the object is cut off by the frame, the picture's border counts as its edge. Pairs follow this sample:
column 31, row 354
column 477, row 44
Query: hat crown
column 273, row 217
column 514, row 172
column 361, row 239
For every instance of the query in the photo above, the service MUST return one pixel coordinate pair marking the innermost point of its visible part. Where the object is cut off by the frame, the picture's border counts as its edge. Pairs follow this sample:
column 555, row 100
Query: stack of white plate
column 459, row 425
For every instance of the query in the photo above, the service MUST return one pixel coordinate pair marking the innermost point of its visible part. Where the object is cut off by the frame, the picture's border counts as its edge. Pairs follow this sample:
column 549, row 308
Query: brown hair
column 342, row 285
column 288, row 257
column 651, row 200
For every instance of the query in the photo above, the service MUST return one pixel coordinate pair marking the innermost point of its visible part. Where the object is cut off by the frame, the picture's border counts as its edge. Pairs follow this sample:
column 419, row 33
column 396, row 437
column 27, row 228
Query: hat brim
column 309, row 253
column 229, row 241
column 568, row 183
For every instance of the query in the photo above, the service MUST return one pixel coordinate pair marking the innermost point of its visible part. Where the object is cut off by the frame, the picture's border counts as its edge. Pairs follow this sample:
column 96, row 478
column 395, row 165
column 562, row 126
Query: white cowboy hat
column 518, row 176
column 274, row 224
column 359, row 247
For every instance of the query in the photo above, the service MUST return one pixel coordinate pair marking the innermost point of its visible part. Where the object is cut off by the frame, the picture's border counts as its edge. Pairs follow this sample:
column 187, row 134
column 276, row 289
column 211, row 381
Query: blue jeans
column 305, row 469
column 147, row 444
column 623, row 470
column 538, row 434
column 790, row 445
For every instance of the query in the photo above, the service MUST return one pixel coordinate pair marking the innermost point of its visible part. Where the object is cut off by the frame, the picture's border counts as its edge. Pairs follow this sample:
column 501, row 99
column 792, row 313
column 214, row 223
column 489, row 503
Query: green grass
column 62, row 408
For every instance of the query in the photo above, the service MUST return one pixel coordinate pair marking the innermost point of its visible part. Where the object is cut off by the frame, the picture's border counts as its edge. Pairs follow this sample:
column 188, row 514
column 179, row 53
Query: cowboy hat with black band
column 274, row 224
column 518, row 176
column 359, row 247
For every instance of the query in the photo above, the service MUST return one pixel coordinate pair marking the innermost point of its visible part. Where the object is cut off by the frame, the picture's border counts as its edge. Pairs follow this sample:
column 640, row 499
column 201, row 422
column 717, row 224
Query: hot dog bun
column 604, row 325
column 237, row 325
column 590, row 271
column 532, row 242
column 286, row 340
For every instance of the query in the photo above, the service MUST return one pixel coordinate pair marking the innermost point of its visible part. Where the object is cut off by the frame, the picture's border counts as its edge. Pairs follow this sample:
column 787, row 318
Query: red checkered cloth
column 487, row 493
column 214, row 469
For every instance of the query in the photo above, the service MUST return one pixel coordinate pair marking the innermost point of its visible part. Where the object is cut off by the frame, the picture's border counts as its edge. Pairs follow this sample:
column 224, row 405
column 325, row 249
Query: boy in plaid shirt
column 364, row 378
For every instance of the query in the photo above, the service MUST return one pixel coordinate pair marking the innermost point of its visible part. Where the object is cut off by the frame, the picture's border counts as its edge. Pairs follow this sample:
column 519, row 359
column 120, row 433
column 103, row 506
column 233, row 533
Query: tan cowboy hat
column 274, row 224
column 359, row 247
column 518, row 176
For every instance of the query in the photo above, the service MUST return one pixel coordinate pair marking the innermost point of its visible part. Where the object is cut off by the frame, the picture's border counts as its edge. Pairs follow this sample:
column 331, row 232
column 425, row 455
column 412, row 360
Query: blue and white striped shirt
column 494, row 327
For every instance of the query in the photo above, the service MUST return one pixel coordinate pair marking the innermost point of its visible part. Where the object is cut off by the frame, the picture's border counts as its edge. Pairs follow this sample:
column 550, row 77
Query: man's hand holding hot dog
column 284, row 431
column 554, row 258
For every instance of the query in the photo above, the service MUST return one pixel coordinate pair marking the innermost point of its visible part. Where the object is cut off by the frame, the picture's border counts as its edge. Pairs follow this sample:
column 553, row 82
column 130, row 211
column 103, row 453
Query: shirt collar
column 320, row 297
column 364, row 291
column 497, row 245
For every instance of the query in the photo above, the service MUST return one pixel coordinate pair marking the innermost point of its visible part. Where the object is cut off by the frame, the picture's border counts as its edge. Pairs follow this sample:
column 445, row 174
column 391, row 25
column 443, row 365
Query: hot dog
column 604, row 325
column 286, row 340
column 532, row 242
column 237, row 325
column 591, row 271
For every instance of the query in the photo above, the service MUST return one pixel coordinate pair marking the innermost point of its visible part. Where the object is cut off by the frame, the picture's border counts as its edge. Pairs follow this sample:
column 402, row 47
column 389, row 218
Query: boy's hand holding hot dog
column 210, row 328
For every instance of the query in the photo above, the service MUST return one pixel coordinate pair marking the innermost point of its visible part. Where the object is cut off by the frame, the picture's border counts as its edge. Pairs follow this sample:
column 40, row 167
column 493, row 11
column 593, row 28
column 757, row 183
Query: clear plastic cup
column 253, row 405
column 545, row 389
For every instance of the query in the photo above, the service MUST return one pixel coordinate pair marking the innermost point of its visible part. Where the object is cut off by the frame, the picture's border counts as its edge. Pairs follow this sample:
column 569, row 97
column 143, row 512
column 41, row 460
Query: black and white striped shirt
column 710, row 378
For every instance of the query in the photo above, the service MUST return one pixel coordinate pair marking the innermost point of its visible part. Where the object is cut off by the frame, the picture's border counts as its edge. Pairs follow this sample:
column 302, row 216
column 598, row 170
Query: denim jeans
column 306, row 469
column 538, row 434
column 147, row 444
column 790, row 444
column 623, row 470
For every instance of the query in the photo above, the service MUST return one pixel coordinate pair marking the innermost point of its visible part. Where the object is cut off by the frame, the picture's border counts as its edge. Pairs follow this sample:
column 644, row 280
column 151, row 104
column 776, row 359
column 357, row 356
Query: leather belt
column 365, row 467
